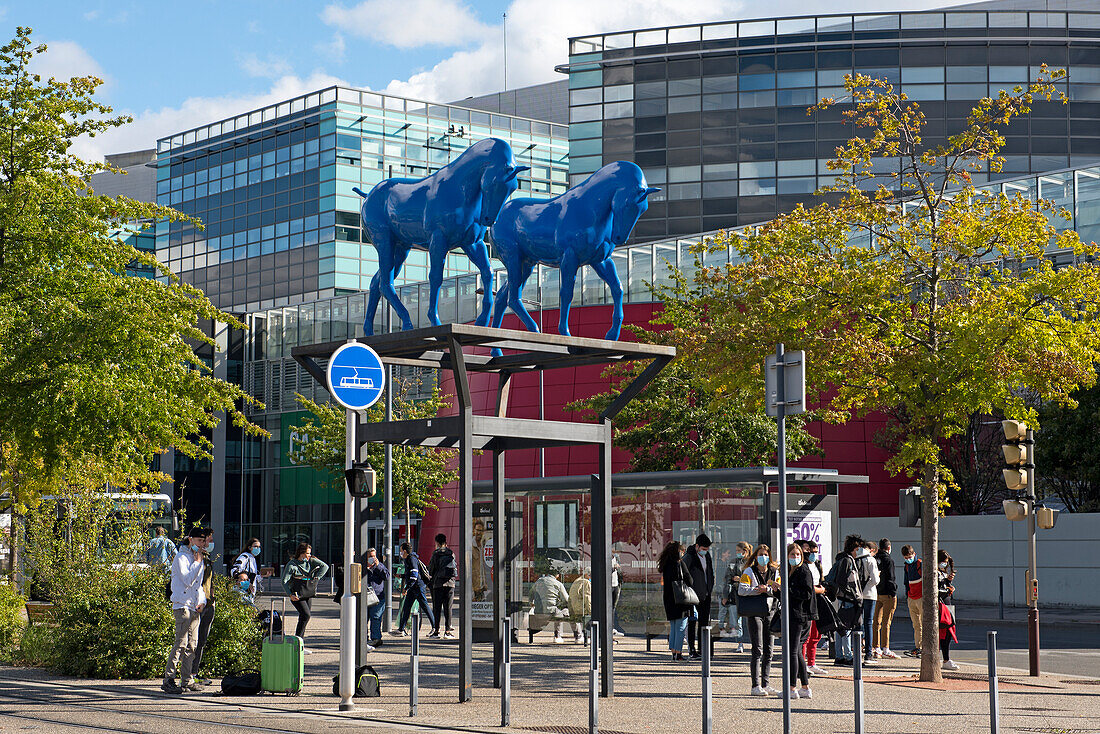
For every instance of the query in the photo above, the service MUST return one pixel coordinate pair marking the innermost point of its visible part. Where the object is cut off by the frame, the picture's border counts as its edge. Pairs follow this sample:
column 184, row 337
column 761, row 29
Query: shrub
column 12, row 621
column 234, row 642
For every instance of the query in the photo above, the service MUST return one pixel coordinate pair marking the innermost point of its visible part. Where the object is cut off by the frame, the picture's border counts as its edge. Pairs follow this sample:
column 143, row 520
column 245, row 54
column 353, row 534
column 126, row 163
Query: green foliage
column 909, row 289
column 419, row 473
column 110, row 617
column 98, row 371
column 1068, row 451
column 680, row 422
column 12, row 621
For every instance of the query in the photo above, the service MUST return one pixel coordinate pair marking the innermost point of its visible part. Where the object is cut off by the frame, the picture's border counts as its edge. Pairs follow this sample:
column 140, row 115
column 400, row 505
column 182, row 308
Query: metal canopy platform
column 462, row 349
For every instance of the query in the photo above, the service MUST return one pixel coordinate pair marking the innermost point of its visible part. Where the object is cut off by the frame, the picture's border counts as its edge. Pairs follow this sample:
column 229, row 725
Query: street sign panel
column 794, row 384
column 356, row 377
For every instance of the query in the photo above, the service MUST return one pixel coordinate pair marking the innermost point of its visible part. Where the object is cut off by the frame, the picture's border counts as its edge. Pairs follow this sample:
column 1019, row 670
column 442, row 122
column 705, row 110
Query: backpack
column 244, row 684
column 266, row 624
column 446, row 572
column 367, row 683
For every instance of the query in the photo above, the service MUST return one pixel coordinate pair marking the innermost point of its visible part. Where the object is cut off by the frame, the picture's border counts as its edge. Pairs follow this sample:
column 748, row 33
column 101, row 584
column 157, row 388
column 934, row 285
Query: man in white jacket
column 188, row 602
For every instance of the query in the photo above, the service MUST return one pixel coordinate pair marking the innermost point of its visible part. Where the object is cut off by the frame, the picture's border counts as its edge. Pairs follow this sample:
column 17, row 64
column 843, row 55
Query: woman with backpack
column 844, row 581
column 756, row 592
column 675, row 573
column 300, row 579
column 945, row 574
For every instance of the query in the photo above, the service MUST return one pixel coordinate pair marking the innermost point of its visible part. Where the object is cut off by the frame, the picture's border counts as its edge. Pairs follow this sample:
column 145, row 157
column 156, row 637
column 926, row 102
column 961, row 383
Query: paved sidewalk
column 549, row 694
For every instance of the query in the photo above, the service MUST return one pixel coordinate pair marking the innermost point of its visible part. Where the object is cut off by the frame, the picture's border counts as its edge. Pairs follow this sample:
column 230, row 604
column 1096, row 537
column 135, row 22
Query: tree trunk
column 930, row 664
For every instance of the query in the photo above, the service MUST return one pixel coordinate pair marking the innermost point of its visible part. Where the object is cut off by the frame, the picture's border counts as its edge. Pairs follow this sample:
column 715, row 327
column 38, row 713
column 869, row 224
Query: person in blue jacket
column 414, row 589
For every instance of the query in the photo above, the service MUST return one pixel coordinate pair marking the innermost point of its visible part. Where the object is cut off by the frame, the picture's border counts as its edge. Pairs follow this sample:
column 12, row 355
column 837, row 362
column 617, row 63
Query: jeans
column 615, row 592
column 205, row 620
column 799, row 631
column 843, row 645
column 417, row 593
column 442, row 599
column 676, row 629
column 695, row 625
column 183, row 651
column 304, row 609
column 884, row 617
column 761, row 665
column 375, row 614
column 868, row 626
column 727, row 617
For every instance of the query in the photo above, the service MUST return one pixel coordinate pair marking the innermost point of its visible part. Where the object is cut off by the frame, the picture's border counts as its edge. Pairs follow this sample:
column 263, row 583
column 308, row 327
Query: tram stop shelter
column 464, row 350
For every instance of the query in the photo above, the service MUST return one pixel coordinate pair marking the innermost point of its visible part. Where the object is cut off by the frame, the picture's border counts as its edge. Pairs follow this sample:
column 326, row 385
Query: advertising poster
column 481, row 566
column 815, row 525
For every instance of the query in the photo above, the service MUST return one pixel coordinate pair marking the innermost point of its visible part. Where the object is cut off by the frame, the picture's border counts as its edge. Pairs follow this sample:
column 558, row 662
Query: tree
column 910, row 289
column 1068, row 454
column 419, row 473
column 678, row 422
column 97, row 368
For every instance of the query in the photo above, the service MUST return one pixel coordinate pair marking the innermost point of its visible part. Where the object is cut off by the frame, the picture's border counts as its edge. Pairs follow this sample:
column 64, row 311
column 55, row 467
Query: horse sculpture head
column 499, row 179
column 630, row 201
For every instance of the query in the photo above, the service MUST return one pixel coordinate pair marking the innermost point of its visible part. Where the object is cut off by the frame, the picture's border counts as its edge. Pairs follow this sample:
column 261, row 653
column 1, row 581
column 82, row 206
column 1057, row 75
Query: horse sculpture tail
column 359, row 191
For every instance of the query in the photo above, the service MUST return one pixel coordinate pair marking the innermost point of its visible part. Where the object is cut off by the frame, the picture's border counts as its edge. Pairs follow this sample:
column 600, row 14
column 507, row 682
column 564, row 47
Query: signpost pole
column 781, row 552
column 347, row 602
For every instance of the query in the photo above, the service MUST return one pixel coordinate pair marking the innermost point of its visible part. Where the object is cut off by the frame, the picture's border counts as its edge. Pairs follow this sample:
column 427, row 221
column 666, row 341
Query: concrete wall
column 987, row 547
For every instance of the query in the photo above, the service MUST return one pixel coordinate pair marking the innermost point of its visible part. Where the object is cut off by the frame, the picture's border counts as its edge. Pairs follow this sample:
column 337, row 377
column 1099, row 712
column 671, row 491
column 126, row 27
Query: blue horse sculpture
column 580, row 227
column 452, row 208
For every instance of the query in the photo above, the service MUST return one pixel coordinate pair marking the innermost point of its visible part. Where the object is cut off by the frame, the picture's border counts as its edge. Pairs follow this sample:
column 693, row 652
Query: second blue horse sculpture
column 577, row 228
column 452, row 208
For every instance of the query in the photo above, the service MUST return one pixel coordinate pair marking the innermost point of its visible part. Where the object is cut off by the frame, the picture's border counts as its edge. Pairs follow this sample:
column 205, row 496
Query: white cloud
column 65, row 59
column 150, row 125
column 91, row 15
column 537, row 40
column 269, row 67
column 410, row 23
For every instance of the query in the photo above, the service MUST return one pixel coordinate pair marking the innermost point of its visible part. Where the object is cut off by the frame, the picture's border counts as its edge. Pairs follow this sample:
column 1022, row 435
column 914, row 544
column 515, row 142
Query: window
column 555, row 525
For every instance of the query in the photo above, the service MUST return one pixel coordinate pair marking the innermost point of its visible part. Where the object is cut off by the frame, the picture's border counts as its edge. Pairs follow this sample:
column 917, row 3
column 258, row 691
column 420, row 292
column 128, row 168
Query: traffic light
column 360, row 479
column 909, row 507
column 1017, row 453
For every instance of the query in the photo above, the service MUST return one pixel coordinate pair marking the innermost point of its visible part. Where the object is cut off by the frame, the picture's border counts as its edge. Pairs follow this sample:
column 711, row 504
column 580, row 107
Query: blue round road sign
column 356, row 377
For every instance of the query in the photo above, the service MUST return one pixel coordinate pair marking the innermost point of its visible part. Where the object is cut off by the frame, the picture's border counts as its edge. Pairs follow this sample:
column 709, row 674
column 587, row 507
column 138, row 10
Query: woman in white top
column 868, row 576
column 247, row 563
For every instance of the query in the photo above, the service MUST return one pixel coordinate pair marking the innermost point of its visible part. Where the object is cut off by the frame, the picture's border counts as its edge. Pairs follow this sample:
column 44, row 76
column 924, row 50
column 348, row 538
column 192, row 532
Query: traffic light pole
column 1032, row 587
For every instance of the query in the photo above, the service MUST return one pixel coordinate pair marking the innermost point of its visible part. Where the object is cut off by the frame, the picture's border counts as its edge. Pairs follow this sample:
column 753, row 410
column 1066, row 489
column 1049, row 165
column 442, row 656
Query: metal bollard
column 414, row 677
column 506, row 681
column 594, row 681
column 708, row 708
column 857, row 677
column 1002, row 596
column 994, row 704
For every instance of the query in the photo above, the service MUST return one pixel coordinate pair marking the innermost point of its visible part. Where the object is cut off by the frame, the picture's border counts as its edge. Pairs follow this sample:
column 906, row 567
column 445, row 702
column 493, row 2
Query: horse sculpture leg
column 479, row 256
column 568, row 272
column 515, row 294
column 389, row 265
column 437, row 257
column 610, row 275
column 372, row 306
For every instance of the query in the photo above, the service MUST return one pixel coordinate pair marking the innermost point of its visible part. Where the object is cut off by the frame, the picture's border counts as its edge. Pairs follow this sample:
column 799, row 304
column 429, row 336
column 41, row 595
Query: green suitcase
column 282, row 660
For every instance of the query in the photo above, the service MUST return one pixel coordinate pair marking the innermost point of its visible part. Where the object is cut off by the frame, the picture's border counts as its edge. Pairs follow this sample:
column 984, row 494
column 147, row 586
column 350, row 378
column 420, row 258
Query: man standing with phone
column 188, row 602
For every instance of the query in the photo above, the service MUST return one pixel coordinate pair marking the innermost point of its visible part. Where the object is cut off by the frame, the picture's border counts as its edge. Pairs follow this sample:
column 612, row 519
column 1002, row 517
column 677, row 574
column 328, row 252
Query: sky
column 176, row 65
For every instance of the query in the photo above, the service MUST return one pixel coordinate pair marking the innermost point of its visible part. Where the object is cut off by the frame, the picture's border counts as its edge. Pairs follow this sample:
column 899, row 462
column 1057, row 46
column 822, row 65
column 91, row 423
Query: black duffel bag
column 827, row 621
column 243, row 684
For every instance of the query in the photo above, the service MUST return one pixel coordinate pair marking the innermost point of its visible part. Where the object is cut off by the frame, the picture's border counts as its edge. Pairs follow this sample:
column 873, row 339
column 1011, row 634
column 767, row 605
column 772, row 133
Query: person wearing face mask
column 302, row 569
column 756, row 593
column 732, row 578
column 674, row 571
column 945, row 574
column 701, row 566
column 868, row 577
column 911, row 575
column 801, row 593
column 207, row 618
column 811, row 636
column 887, row 601
column 248, row 563
column 188, row 601
column 844, row 577
column 377, row 576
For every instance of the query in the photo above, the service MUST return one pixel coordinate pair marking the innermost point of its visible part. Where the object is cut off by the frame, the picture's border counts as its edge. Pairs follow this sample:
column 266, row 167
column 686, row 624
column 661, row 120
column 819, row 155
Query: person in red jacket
column 913, row 588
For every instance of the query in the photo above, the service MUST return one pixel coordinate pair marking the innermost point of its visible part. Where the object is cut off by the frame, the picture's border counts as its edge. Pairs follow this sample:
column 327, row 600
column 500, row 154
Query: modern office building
column 716, row 113
column 273, row 189
column 548, row 102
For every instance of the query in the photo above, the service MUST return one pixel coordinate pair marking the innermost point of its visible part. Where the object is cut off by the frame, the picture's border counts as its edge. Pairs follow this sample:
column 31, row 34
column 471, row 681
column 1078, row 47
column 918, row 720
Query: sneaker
column 370, row 648
column 771, row 689
column 618, row 633
column 578, row 639
column 805, row 692
column 433, row 633
column 889, row 654
column 868, row 660
column 814, row 670
column 203, row 680
column 740, row 647
column 450, row 635
column 195, row 686
column 398, row 633
column 823, row 644
column 375, row 643
column 794, row 694
column 169, row 685
column 950, row 665
column 846, row 662
column 559, row 641
column 758, row 691
column 914, row 653
column 307, row 651
column 695, row 655
column 875, row 652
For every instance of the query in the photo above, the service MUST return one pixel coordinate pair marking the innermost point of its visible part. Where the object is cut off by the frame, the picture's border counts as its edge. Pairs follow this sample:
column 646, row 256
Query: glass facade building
column 716, row 113
column 273, row 189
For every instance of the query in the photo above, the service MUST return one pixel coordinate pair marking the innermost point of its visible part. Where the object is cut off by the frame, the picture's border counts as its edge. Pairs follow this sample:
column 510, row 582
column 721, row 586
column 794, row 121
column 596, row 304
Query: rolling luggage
column 282, row 666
